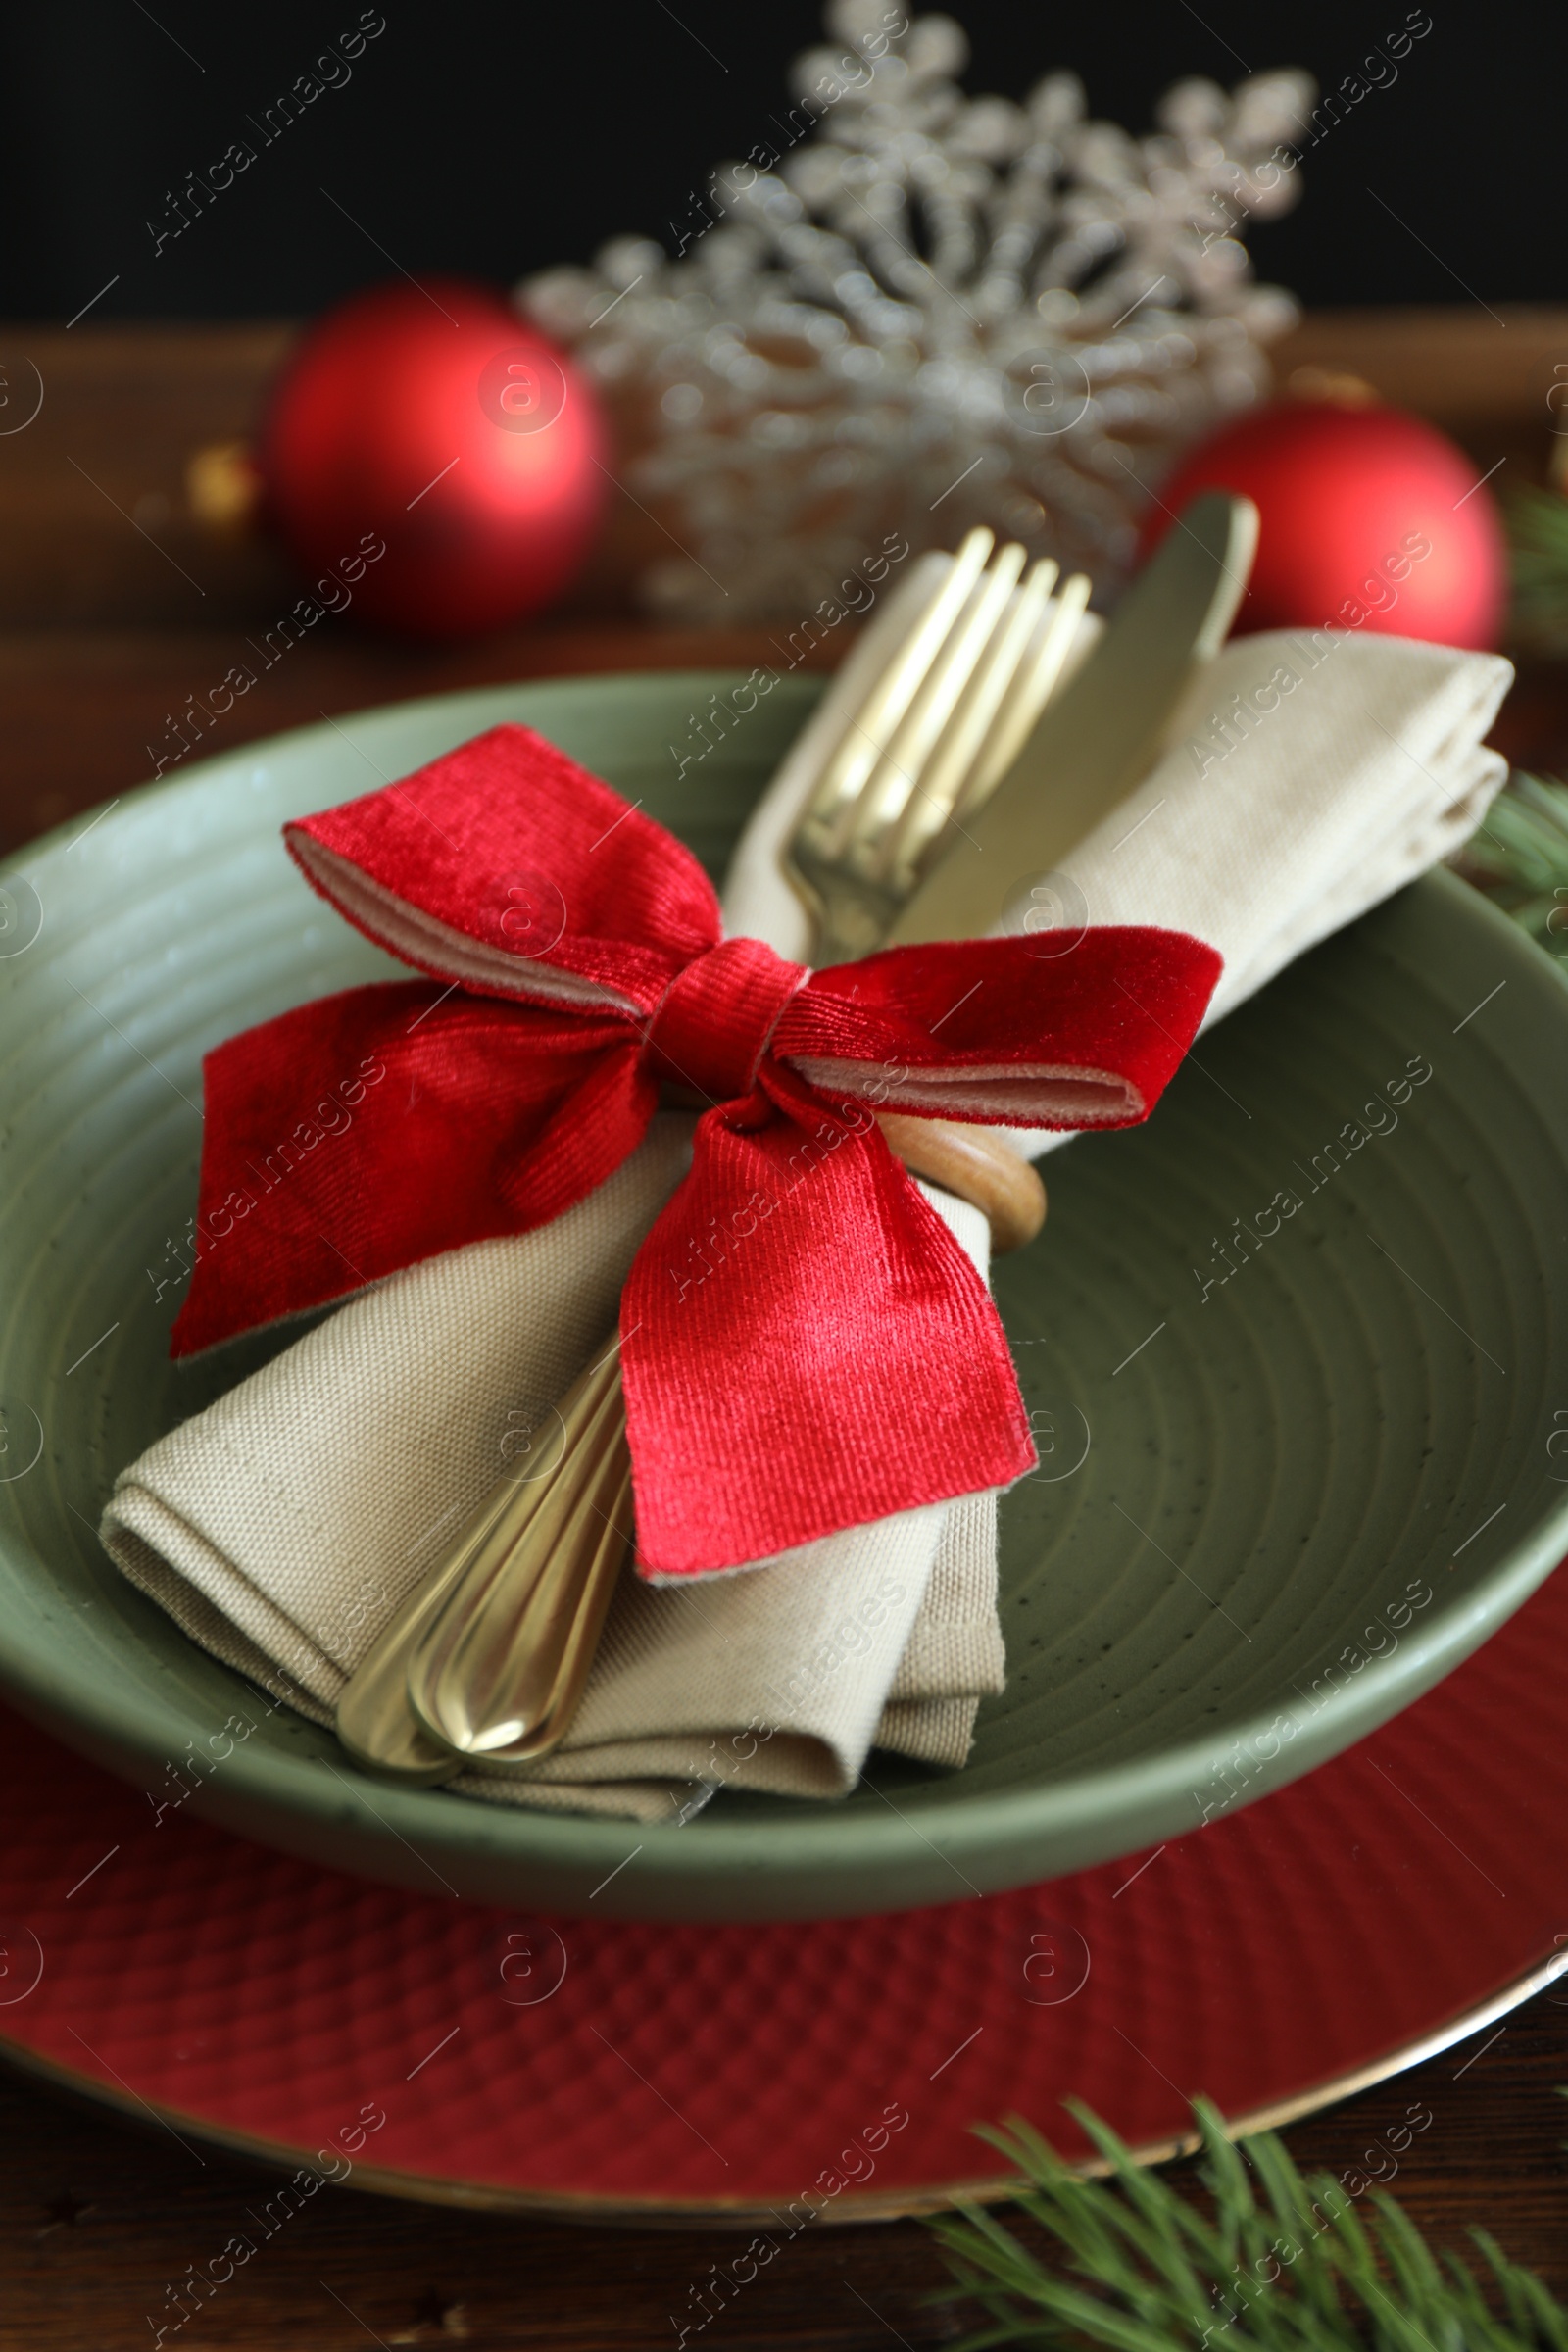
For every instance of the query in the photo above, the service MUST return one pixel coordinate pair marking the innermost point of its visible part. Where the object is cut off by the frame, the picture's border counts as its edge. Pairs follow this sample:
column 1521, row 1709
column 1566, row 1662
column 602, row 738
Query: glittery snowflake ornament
column 910, row 310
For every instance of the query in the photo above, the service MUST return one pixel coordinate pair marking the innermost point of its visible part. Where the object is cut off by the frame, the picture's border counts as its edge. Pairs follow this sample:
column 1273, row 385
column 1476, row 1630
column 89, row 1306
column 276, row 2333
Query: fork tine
column 1034, row 684
column 953, row 757
column 896, row 777
column 939, row 728
column 840, row 784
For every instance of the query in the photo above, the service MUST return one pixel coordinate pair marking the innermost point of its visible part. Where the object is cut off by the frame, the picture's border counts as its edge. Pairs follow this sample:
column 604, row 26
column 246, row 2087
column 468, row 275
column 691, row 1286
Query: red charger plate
column 1295, row 1950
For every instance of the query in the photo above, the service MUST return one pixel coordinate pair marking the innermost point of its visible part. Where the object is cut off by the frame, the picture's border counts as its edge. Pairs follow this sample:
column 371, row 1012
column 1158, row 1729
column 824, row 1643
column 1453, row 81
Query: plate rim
column 848, row 2209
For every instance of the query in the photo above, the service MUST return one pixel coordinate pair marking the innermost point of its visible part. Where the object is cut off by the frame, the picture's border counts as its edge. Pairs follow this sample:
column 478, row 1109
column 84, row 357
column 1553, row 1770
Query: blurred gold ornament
column 223, row 487
column 1333, row 384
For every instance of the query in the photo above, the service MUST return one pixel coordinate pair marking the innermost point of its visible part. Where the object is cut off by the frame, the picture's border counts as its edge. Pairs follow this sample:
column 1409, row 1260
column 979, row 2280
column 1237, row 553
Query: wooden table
column 115, row 605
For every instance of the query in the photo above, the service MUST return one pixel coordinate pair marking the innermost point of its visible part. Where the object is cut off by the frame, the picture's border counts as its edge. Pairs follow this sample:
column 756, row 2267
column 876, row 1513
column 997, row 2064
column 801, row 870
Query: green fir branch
column 1519, row 857
column 1538, row 533
column 1277, row 2263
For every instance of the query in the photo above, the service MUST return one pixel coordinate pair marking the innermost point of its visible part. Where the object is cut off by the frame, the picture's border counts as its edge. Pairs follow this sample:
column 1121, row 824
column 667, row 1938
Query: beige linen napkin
column 1309, row 775
column 284, row 1524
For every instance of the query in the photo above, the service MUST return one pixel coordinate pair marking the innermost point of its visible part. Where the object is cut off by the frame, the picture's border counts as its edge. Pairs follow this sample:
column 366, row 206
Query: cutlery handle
column 527, row 1585
column 488, row 1656
column 499, row 1667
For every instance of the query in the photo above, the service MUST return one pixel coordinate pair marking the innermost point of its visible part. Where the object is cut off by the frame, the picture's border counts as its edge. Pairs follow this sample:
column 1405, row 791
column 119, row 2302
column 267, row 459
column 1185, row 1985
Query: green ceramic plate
column 1287, row 1481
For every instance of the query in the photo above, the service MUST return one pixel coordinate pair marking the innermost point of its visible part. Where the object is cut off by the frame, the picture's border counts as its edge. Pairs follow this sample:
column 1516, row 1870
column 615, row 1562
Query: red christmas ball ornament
column 433, row 425
column 1369, row 519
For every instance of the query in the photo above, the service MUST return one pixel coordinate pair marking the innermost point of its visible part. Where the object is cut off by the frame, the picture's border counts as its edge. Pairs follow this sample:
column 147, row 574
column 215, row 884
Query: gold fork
column 940, row 730
column 488, row 1656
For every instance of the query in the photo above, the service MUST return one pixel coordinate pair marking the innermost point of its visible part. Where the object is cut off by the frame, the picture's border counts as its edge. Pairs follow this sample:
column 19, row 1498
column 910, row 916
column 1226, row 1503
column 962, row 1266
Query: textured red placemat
column 1269, row 1959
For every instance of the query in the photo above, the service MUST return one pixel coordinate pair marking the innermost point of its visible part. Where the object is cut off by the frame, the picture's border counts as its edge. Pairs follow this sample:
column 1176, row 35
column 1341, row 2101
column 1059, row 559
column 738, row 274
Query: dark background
column 495, row 140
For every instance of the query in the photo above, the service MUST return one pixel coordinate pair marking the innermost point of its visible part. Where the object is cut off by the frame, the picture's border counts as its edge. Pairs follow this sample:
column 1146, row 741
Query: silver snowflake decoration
column 908, row 309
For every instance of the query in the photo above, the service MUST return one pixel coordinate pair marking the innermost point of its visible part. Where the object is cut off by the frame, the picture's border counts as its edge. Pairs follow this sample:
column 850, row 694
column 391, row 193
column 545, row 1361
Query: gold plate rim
column 741, row 2213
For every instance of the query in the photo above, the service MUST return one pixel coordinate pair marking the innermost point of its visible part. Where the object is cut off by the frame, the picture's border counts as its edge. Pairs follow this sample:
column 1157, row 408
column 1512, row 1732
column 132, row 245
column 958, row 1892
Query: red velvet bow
column 805, row 1344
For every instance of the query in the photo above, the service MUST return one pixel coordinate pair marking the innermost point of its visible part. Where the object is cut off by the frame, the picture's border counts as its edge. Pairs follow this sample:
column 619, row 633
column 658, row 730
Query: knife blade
column 1101, row 733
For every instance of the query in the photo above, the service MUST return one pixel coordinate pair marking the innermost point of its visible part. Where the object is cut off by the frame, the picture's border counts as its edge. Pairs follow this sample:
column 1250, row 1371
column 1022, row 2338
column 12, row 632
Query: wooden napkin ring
column 976, row 1165
column 970, row 1162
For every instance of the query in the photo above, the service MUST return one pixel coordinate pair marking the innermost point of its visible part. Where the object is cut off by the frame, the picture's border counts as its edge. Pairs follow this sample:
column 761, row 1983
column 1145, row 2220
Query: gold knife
column 1102, row 732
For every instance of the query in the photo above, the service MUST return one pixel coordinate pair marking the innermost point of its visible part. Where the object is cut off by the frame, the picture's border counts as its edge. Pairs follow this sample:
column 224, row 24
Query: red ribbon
column 805, row 1344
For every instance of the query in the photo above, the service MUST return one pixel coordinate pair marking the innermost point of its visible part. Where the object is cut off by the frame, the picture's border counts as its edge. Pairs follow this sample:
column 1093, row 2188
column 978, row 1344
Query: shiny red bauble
column 431, row 422
column 1370, row 519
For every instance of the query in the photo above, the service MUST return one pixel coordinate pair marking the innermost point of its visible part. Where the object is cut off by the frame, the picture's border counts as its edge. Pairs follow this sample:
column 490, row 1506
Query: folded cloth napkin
column 281, row 1527
column 285, row 1523
column 1309, row 775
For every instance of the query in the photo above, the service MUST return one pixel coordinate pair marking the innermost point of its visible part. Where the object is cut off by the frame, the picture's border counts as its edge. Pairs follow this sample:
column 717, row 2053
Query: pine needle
column 1519, row 857
column 1277, row 2263
column 1538, row 528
